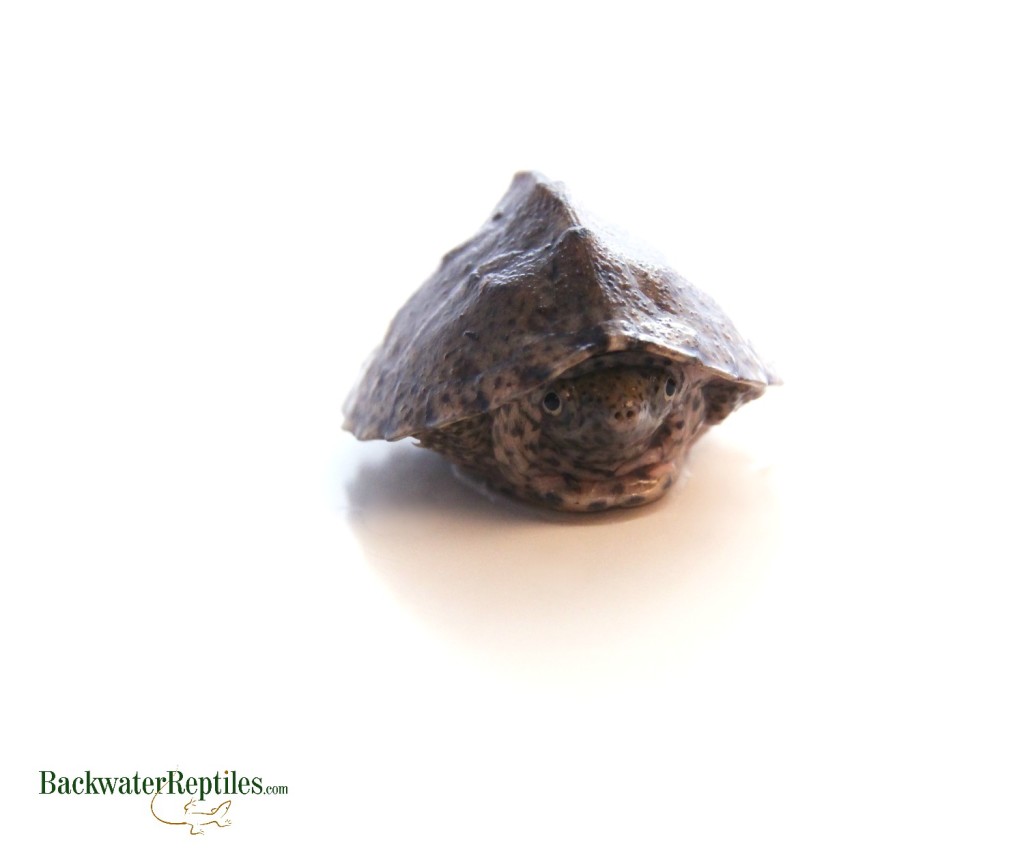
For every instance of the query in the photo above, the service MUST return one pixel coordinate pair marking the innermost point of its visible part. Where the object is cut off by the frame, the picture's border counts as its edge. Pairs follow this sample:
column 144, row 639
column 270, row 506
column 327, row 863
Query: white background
column 810, row 654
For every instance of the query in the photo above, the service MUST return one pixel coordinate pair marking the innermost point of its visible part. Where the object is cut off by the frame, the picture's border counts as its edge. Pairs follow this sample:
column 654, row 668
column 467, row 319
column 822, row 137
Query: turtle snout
column 618, row 405
column 631, row 418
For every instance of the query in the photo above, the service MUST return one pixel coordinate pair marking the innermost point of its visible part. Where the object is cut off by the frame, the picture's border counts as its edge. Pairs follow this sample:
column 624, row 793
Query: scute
column 539, row 289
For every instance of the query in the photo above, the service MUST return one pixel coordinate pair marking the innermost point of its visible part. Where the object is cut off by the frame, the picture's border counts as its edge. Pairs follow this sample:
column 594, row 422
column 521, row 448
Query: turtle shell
column 539, row 289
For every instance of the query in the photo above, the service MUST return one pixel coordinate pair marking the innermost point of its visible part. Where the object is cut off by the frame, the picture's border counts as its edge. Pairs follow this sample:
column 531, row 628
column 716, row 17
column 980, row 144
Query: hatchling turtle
column 556, row 360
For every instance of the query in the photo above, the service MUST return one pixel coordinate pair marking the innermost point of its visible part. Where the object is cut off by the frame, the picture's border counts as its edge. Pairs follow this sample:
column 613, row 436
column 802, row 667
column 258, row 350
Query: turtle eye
column 552, row 403
column 670, row 387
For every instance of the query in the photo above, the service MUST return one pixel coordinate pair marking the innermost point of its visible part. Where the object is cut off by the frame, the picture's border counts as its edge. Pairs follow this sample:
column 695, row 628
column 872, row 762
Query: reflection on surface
column 557, row 594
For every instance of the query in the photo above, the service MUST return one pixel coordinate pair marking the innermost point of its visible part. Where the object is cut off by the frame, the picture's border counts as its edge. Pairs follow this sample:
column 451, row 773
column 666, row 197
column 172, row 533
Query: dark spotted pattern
column 617, row 438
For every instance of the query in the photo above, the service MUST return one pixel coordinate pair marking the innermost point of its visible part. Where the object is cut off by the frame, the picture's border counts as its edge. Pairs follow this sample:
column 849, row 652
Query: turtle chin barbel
column 557, row 361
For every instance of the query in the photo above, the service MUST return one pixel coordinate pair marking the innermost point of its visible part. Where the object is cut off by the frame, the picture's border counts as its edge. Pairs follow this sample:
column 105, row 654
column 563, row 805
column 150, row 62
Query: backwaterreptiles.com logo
column 196, row 814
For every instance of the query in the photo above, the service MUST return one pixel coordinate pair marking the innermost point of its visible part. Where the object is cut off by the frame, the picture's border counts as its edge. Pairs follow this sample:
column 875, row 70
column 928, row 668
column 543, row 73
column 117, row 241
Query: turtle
column 556, row 359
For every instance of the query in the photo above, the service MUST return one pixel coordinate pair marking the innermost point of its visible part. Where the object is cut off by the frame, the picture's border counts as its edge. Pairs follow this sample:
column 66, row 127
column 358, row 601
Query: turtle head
column 608, row 432
column 611, row 413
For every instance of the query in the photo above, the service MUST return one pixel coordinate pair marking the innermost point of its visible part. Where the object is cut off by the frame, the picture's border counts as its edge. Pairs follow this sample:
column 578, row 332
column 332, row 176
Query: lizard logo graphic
column 194, row 819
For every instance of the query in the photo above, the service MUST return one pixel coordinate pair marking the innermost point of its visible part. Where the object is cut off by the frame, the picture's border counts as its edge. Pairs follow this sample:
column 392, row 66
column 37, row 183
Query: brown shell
column 539, row 289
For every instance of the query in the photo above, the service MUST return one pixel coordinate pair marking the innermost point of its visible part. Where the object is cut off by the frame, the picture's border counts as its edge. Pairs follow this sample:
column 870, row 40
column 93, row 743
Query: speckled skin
column 611, row 434
column 544, row 300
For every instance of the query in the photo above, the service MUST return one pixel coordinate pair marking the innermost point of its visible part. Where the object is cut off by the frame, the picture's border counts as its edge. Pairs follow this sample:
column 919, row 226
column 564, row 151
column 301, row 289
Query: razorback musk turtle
column 556, row 360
